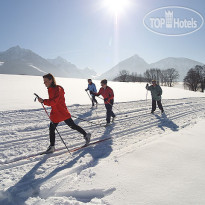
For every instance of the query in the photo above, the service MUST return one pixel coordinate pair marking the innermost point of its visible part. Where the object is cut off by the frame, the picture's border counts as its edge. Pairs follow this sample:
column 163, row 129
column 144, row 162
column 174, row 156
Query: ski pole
column 86, row 120
column 89, row 96
column 109, row 103
column 52, row 122
column 146, row 100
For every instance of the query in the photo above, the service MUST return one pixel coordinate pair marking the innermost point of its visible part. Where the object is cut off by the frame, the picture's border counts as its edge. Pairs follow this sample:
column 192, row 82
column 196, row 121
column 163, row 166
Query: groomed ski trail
column 30, row 127
column 25, row 132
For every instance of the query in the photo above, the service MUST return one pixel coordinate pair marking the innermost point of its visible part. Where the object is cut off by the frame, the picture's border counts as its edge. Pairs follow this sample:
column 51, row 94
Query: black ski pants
column 94, row 100
column 159, row 103
column 70, row 123
column 109, row 111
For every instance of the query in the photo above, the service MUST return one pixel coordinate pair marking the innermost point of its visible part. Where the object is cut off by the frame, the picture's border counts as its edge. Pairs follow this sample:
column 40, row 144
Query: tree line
column 194, row 79
column 164, row 77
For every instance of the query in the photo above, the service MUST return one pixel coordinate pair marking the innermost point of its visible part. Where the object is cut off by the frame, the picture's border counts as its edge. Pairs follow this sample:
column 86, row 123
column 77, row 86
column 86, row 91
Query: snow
column 38, row 69
column 167, row 171
column 150, row 159
column 23, row 87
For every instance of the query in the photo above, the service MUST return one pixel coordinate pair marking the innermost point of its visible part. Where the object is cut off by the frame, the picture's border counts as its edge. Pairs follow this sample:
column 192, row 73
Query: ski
column 82, row 147
column 90, row 144
column 42, row 153
column 57, row 150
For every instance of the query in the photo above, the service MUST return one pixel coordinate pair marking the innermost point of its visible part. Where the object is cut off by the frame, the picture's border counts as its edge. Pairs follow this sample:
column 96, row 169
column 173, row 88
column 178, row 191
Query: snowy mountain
column 139, row 66
column 134, row 64
column 25, row 62
column 17, row 60
column 89, row 73
column 70, row 69
column 182, row 65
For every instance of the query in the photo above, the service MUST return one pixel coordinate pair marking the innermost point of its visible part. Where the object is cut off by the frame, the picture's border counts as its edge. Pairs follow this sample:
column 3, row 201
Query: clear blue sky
column 83, row 32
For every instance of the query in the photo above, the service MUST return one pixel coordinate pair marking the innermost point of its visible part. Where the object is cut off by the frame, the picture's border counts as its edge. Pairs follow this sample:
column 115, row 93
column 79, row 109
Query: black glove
column 91, row 92
column 105, row 99
column 86, row 89
column 158, row 94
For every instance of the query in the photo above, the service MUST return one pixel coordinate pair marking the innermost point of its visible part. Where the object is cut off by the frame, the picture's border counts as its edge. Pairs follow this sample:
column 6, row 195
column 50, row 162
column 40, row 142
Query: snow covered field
column 17, row 91
column 148, row 160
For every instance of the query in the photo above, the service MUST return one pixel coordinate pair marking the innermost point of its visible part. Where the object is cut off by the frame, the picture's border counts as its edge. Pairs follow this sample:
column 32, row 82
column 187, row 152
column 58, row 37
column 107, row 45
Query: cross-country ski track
column 24, row 133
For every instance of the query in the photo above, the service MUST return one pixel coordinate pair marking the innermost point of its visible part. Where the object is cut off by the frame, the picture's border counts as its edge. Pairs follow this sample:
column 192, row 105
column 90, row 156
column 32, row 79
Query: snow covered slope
column 136, row 64
column 70, row 69
column 24, row 62
column 20, row 61
column 149, row 159
column 182, row 65
column 18, row 90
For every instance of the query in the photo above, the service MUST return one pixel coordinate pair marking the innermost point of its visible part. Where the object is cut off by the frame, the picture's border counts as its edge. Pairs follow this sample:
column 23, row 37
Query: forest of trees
column 125, row 76
column 164, row 77
column 194, row 79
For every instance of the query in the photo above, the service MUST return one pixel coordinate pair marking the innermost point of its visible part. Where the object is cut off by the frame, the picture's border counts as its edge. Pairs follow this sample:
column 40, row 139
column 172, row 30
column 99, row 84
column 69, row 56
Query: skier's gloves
column 105, row 99
column 91, row 92
column 158, row 95
column 40, row 100
column 86, row 89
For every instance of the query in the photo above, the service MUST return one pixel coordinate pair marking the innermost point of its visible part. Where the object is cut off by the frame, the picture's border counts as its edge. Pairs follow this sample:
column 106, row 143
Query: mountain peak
column 136, row 58
column 15, row 48
column 20, row 54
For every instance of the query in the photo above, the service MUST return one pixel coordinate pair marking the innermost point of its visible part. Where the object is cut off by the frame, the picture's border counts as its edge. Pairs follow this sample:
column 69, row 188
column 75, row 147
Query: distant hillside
column 17, row 60
column 22, row 61
column 133, row 64
column 71, row 70
column 182, row 65
column 138, row 65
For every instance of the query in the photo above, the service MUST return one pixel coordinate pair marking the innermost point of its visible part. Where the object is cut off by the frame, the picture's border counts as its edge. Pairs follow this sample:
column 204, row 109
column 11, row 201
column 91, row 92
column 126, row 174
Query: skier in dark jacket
column 108, row 96
column 59, row 111
column 156, row 93
column 92, row 88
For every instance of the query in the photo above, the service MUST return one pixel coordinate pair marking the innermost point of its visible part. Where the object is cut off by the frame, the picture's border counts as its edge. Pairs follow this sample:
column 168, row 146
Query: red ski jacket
column 59, row 111
column 106, row 93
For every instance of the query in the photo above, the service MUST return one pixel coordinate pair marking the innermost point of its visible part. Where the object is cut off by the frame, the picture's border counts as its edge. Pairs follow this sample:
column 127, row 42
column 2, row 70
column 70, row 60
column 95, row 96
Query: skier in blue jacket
column 92, row 89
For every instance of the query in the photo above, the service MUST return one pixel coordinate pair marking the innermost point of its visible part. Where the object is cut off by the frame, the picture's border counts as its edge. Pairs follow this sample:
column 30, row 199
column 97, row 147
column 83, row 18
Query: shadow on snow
column 29, row 186
column 166, row 122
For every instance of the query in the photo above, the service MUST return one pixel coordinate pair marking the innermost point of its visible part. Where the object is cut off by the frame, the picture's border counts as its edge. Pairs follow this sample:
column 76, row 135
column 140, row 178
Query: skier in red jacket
column 108, row 96
column 59, row 111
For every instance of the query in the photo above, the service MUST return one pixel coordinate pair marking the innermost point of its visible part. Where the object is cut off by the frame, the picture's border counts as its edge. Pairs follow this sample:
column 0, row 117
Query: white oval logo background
column 173, row 21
